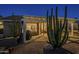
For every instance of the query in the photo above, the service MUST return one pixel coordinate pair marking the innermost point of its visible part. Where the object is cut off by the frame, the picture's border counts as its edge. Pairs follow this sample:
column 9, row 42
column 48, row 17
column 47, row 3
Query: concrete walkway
column 34, row 47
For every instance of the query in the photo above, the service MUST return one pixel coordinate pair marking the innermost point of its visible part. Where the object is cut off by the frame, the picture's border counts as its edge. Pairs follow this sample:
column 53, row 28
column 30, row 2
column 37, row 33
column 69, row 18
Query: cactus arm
column 47, row 25
column 60, row 33
column 48, row 30
column 50, row 27
column 57, row 26
column 53, row 27
column 65, row 37
column 56, row 36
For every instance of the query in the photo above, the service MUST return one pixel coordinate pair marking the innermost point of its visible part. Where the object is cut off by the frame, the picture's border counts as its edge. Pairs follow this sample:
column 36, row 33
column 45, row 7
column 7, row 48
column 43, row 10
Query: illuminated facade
column 38, row 24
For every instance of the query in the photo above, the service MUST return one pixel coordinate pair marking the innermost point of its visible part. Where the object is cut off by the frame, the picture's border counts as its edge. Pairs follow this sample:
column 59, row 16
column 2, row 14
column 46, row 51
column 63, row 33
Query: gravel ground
column 73, row 47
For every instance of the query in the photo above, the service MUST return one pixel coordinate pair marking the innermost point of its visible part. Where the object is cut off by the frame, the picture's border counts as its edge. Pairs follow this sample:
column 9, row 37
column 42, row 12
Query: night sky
column 37, row 9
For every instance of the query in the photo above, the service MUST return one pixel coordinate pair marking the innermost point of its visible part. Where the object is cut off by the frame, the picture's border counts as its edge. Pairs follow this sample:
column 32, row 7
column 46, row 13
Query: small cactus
column 57, row 32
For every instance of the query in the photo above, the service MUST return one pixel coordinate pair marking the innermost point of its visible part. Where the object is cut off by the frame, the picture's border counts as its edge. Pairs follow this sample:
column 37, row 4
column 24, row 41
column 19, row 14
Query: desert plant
column 56, row 30
column 28, row 35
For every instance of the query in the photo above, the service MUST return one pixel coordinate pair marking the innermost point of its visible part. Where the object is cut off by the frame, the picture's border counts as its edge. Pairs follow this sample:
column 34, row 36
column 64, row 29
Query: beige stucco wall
column 31, row 26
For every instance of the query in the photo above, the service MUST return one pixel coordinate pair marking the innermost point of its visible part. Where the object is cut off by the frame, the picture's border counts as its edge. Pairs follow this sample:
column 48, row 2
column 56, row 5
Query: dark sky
column 37, row 9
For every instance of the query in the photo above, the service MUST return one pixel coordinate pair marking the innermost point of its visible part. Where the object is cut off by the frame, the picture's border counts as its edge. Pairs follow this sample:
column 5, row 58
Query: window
column 1, row 27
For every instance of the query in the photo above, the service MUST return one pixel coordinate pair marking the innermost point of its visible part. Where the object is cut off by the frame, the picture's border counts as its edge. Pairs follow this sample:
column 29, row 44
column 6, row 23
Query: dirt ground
column 36, row 46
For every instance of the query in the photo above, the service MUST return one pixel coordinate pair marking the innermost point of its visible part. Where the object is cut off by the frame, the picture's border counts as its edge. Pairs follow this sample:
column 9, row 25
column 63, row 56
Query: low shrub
column 28, row 35
column 34, row 33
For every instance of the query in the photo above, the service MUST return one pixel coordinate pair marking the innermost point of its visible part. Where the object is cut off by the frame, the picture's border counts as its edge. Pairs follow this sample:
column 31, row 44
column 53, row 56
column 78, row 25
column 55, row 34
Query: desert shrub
column 34, row 33
column 28, row 35
column 1, row 31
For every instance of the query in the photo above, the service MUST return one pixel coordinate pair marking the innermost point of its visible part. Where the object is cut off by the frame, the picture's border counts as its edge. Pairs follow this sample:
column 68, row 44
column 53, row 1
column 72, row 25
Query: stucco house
column 38, row 24
column 33, row 23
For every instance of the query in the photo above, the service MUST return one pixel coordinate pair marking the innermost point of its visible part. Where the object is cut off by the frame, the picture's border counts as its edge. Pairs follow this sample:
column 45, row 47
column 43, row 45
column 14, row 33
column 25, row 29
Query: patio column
column 38, row 28
column 24, row 30
column 78, row 27
column 72, row 29
column 43, row 28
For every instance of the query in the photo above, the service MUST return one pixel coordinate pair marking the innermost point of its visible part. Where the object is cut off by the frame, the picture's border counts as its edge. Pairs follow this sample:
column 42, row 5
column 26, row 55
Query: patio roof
column 42, row 19
column 10, row 18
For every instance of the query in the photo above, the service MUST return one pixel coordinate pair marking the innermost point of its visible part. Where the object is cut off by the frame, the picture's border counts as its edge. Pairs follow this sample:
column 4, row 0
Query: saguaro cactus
column 56, row 30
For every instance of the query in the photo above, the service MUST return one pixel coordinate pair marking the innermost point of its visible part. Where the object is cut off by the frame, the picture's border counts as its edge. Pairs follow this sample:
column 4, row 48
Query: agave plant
column 56, row 30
